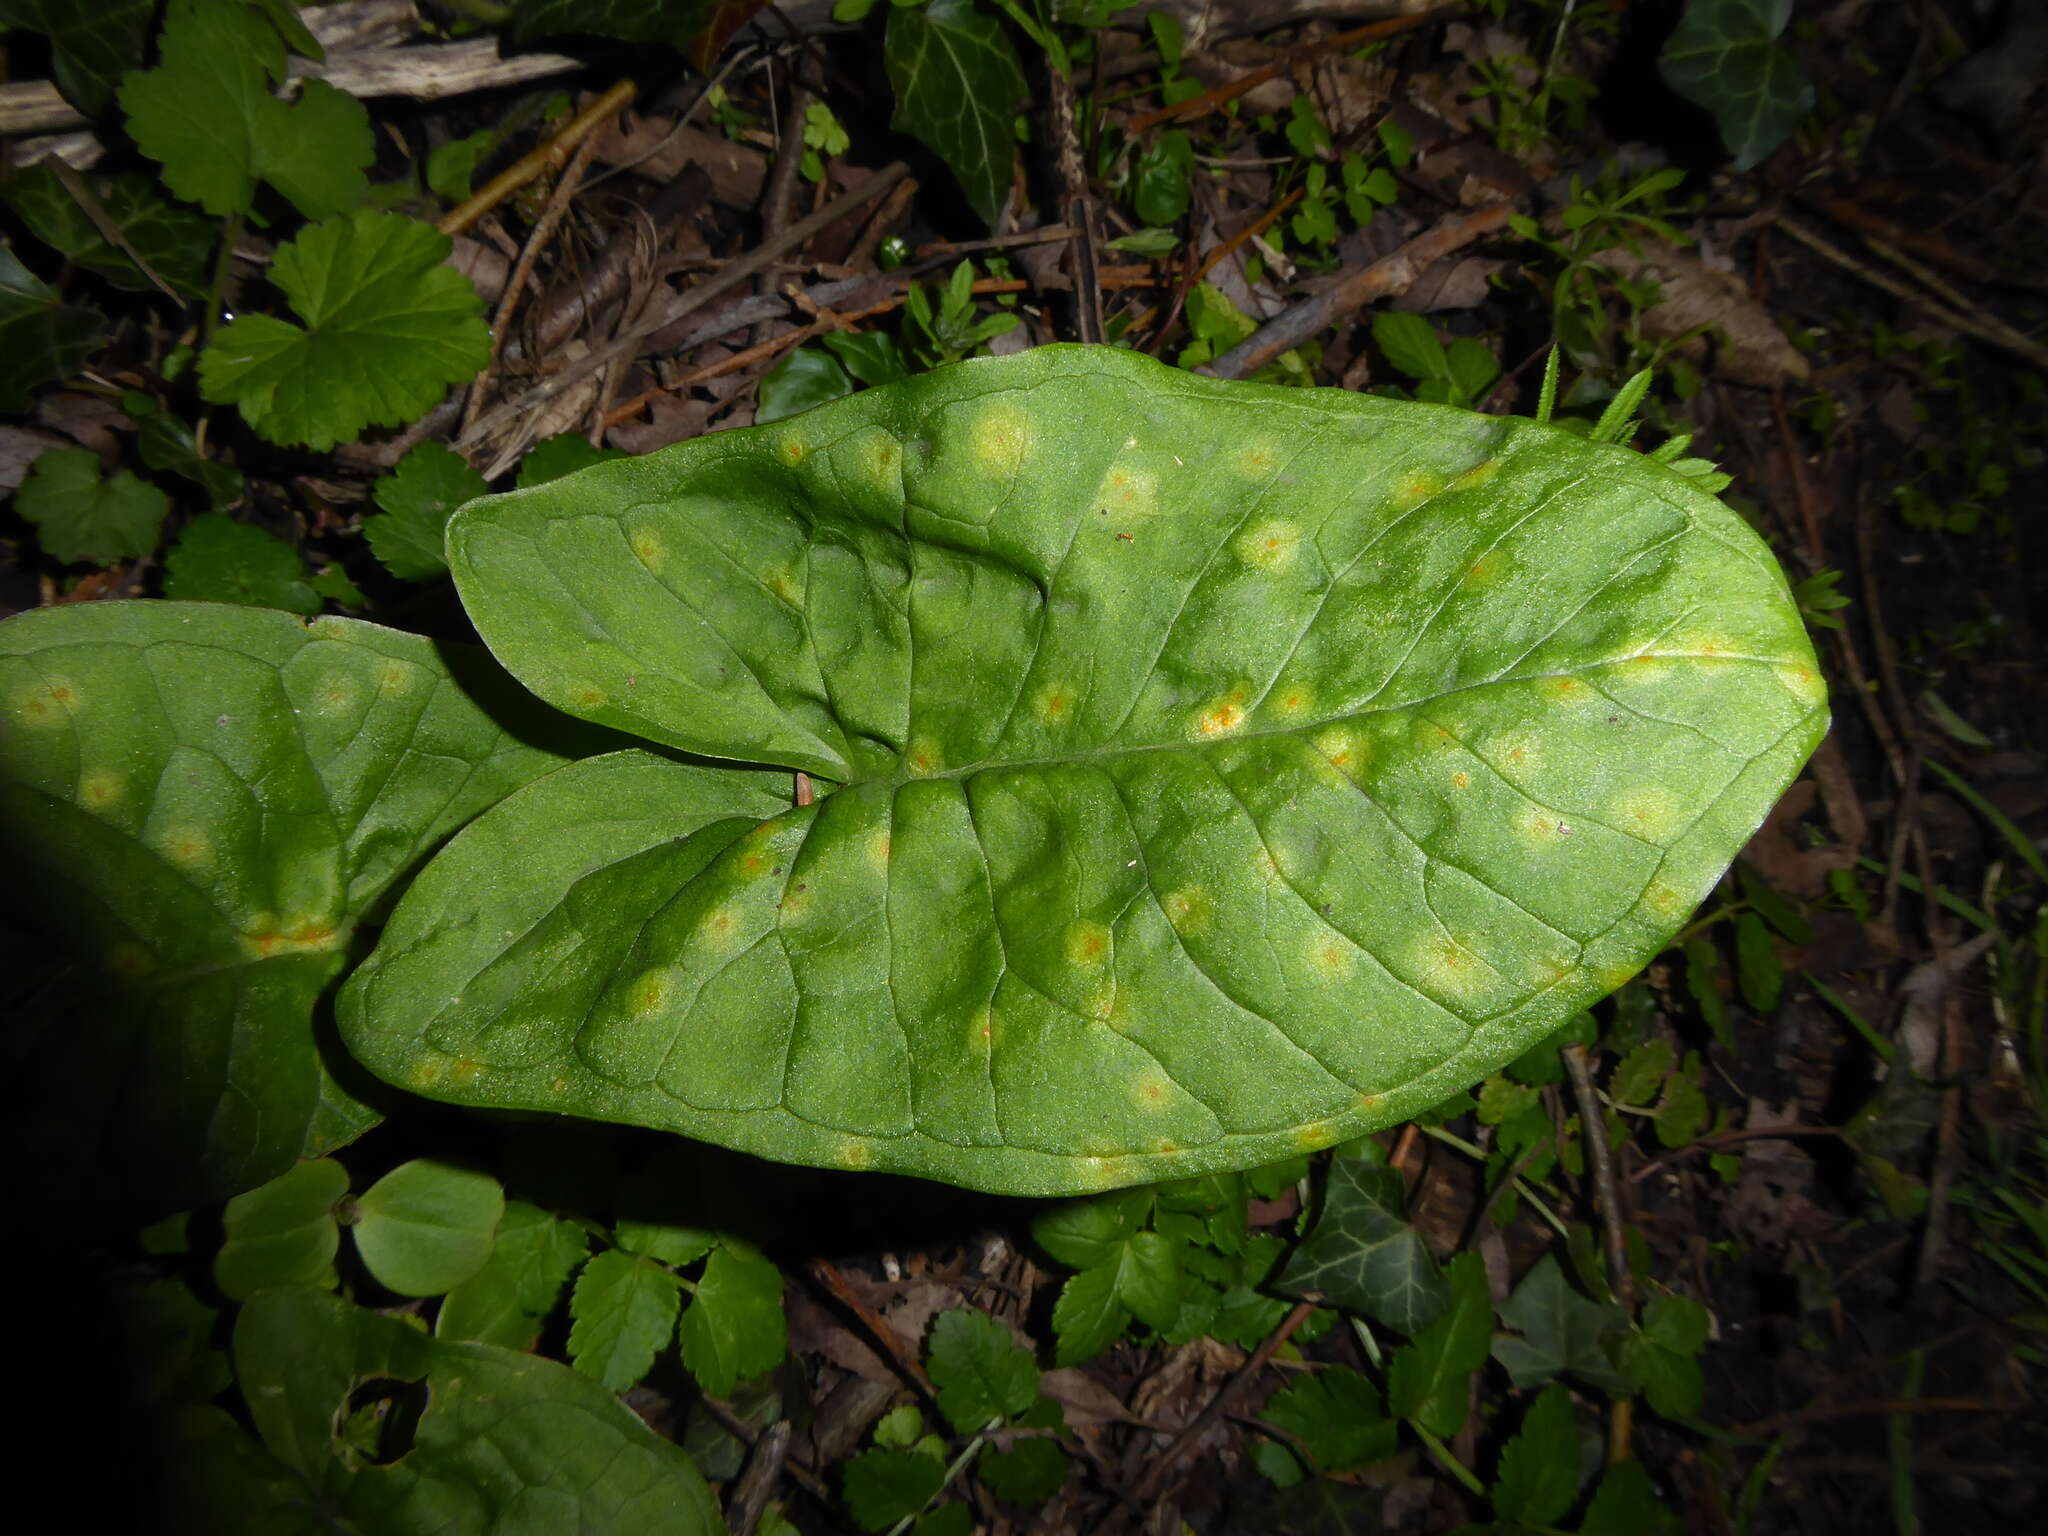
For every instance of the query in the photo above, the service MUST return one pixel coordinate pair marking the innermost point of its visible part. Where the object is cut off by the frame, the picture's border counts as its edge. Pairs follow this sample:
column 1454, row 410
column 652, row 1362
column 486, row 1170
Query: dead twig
column 1607, row 1198
column 1392, row 274
column 537, row 162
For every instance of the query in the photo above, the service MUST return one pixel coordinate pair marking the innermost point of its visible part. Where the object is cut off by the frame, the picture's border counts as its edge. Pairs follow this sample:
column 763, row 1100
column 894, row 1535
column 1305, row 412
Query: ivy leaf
column 957, row 85
column 93, row 42
column 283, row 1232
column 1173, row 727
column 427, row 1226
column 218, row 560
column 78, row 516
column 175, row 241
column 1538, row 1479
column 553, row 457
column 1363, row 1255
column 387, row 328
column 496, row 1436
column 1088, row 1317
column 200, row 803
column 622, row 1311
column 206, row 112
column 1558, row 1330
column 883, row 1487
column 734, row 1328
column 1429, row 1379
column 980, row 1373
column 418, row 497
column 41, row 337
column 1728, row 56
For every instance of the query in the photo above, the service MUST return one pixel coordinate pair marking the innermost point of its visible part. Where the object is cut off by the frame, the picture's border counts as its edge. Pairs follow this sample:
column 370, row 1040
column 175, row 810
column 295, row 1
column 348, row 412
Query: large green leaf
column 504, row 1442
column 1224, row 771
column 202, row 802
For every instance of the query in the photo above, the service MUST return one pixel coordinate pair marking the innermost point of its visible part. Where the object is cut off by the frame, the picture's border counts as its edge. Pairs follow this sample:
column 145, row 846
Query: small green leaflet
column 504, row 1302
column 622, row 1311
column 957, row 86
column 93, row 40
column 387, row 328
column 80, row 517
column 981, row 1374
column 427, row 1226
column 218, row 560
column 418, row 497
column 41, row 337
column 883, row 1487
column 1030, row 1472
column 1335, row 1415
column 1730, row 57
column 174, row 240
column 734, row 1328
column 207, row 113
column 1428, row 1379
column 805, row 377
column 1538, row 1479
column 282, row 1233
column 1088, row 1317
column 1363, row 1254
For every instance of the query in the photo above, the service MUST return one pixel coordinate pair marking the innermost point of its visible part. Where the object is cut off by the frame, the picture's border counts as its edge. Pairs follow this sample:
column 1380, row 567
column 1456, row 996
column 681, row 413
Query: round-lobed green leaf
column 427, row 1226
column 1216, row 772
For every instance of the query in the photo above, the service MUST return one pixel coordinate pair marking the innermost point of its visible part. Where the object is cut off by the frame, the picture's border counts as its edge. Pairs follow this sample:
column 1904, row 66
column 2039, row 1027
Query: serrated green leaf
column 1086, row 1232
column 734, row 1328
column 499, row 1436
column 980, row 1373
column 387, row 329
column 1430, row 1379
column 1626, row 1504
column 1537, row 1481
column 1638, row 1075
column 563, row 454
column 1558, row 1330
column 201, row 803
column 666, row 1242
column 80, row 517
column 1670, row 1381
column 957, row 84
column 1335, row 1415
column 1757, row 969
column 206, row 112
column 1678, row 1323
column 805, row 377
column 1148, row 1278
column 427, row 1226
column 1178, row 727
column 418, row 498
column 1702, row 966
column 946, row 1520
column 883, row 1487
column 622, row 1311
column 41, row 337
column 1087, row 1318
column 175, row 241
column 1363, row 1255
column 1728, row 56
column 218, row 560
column 1683, row 1111
column 283, row 1232
column 93, row 42
column 1029, row 1472
column 532, row 1257
column 1410, row 344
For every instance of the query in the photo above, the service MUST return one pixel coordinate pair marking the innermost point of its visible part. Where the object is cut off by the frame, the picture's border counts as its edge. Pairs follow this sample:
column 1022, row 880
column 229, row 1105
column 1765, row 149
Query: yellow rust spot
column 462, row 1072
column 1663, row 897
column 1256, row 459
column 1316, row 1135
column 1293, row 701
column 1540, row 826
column 334, row 696
column 796, row 901
column 429, row 1072
column 559, row 1085
column 981, row 1029
column 881, row 848
column 1461, row 780
column 1189, row 909
column 1055, row 705
column 1330, row 957
column 587, row 698
column 1486, row 571
column 1368, row 1102
column 783, row 585
column 1650, row 811
column 396, row 677
column 650, row 991
column 1414, row 488
column 1563, row 687
column 1126, row 492
column 1153, row 1092
column 1448, row 967
column 1165, row 1148
column 649, row 549
column 878, row 457
column 855, row 1154
column 1221, row 716
column 49, row 705
column 720, row 927
column 130, row 959
column 264, row 938
column 186, row 847
column 792, row 449
column 1000, row 436
column 923, row 758
column 1477, row 475
column 1802, row 682
column 1647, row 664
column 1270, row 545
column 1613, row 978
column 1343, row 749
column 97, row 791
column 1087, row 942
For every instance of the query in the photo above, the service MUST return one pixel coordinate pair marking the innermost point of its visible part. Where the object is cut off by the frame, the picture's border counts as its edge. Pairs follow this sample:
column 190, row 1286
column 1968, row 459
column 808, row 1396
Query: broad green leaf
column 1334, row 1415
column 175, row 241
column 734, row 1327
column 93, row 42
column 201, row 803
column 504, row 1303
column 80, row 517
column 1088, row 1318
column 502, row 1442
column 1729, row 57
column 981, row 1374
column 427, row 1226
column 1558, row 1330
column 41, row 337
column 218, row 560
column 1216, row 772
column 1363, row 1254
column 387, row 328
column 553, row 457
column 957, row 87
column 885, row 1486
column 623, row 1311
column 1538, row 1478
column 806, row 377
column 418, row 497
column 207, row 112
column 282, row 1233
column 1430, row 1379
